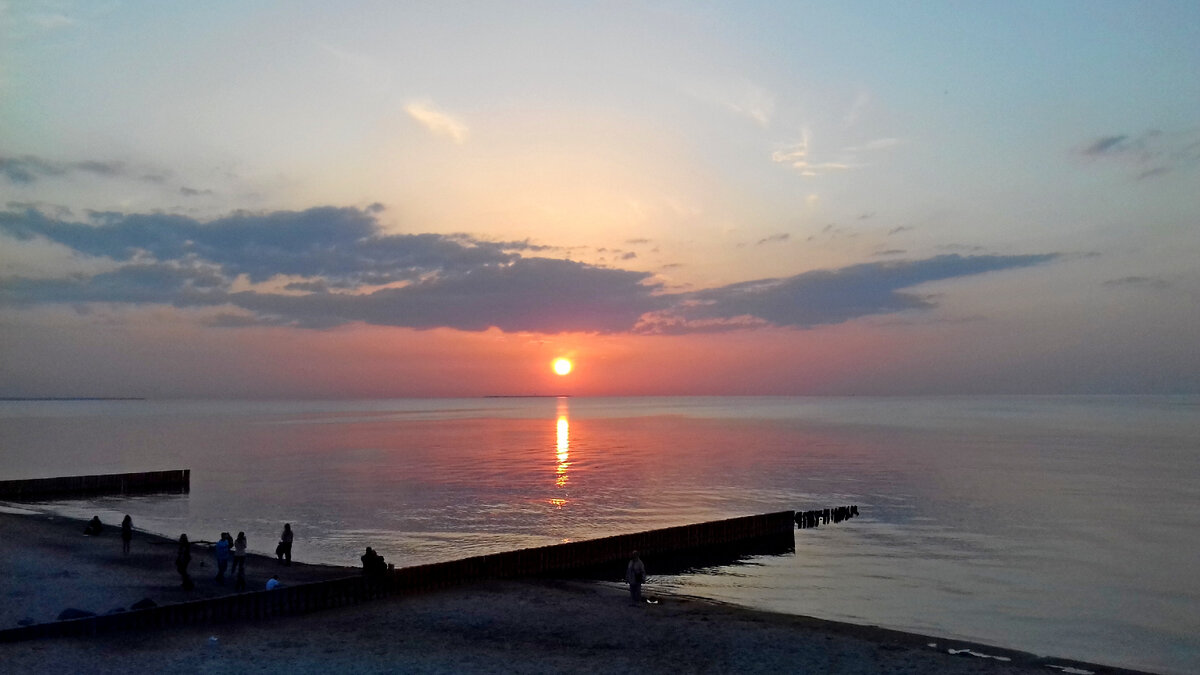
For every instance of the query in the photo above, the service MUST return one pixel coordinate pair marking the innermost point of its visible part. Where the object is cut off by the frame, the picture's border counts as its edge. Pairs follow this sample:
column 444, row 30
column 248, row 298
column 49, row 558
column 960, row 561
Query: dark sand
column 46, row 565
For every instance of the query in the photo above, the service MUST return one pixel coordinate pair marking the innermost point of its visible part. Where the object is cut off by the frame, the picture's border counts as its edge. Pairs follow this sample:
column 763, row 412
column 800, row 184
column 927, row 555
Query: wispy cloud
column 330, row 266
column 1139, row 282
column 798, row 155
column 28, row 169
column 753, row 102
column 1148, row 154
column 774, row 239
column 744, row 98
column 437, row 122
column 861, row 101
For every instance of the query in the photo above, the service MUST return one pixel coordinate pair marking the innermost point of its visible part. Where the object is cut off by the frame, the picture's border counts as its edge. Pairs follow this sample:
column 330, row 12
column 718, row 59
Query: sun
column 562, row 366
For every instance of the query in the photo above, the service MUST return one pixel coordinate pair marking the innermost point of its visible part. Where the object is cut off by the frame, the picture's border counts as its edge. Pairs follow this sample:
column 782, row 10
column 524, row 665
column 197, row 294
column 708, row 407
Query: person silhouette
column 239, row 553
column 94, row 526
column 126, row 533
column 183, row 557
column 635, row 574
column 284, row 550
column 374, row 566
column 222, row 551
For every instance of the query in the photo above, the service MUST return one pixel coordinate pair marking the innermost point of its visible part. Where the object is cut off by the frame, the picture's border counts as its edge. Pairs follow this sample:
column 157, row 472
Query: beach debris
column 1071, row 670
column 72, row 613
column 213, row 640
column 817, row 517
column 931, row 645
column 971, row 652
column 144, row 603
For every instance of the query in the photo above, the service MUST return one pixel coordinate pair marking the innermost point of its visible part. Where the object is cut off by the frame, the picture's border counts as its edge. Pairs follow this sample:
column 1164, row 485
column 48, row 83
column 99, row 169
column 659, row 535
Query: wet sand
column 47, row 565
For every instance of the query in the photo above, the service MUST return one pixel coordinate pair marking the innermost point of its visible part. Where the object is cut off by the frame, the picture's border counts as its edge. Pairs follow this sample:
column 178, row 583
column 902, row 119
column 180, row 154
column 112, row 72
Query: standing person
column 374, row 566
column 223, row 555
column 239, row 561
column 285, row 545
column 635, row 574
column 126, row 533
column 182, row 559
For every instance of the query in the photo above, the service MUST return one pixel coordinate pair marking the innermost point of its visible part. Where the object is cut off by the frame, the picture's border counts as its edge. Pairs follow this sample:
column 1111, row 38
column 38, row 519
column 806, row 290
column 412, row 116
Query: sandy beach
column 48, row 565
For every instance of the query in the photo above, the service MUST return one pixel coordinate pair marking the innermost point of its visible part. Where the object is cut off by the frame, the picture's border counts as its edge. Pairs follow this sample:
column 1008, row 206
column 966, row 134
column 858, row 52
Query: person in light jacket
column 635, row 574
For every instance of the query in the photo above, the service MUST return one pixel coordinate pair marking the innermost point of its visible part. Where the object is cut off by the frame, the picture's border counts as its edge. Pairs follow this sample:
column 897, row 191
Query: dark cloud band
column 340, row 268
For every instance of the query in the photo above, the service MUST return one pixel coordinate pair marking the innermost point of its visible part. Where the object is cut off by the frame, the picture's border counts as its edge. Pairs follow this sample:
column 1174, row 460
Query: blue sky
column 683, row 197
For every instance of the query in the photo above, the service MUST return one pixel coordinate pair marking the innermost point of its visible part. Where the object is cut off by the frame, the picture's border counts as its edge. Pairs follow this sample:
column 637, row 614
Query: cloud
column 338, row 244
column 1149, row 154
column 742, row 97
column 1103, row 145
column 798, row 155
column 877, row 144
column 530, row 295
column 753, row 102
column 132, row 284
column 329, row 266
column 774, row 239
column 856, row 109
column 445, row 280
column 1139, row 282
column 437, row 122
column 29, row 169
column 825, row 297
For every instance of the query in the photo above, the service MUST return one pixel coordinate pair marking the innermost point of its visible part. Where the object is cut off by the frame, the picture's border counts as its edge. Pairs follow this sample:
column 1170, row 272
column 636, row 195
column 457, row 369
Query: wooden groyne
column 570, row 559
column 176, row 480
column 806, row 519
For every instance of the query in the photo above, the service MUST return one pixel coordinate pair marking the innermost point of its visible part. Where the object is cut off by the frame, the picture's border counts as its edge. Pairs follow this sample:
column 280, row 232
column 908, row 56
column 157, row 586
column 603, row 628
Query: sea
column 1058, row 525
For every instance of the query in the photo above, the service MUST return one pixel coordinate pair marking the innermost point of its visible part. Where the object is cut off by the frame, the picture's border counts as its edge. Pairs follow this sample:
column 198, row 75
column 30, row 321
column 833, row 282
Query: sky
column 393, row 199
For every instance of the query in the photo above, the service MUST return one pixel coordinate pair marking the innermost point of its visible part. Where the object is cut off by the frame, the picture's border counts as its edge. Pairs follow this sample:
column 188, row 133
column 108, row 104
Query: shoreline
column 517, row 625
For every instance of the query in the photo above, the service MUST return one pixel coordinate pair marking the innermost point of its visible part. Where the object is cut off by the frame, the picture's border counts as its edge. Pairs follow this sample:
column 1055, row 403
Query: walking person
column 635, row 574
column 284, row 549
column 239, row 561
column 126, row 533
column 183, row 557
column 223, row 553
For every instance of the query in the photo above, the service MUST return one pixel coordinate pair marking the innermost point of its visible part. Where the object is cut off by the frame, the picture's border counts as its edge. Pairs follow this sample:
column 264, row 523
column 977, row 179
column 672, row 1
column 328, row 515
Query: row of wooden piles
column 818, row 517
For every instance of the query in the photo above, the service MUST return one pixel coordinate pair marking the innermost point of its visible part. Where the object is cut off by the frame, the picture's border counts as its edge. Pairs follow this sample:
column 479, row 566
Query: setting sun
column 562, row 366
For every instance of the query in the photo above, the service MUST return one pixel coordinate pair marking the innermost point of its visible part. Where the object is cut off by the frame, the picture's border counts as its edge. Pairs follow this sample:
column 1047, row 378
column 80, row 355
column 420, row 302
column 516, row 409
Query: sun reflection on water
column 563, row 448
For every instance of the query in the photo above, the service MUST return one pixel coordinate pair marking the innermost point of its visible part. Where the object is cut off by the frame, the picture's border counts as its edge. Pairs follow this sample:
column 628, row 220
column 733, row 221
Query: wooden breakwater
column 558, row 559
column 175, row 480
column 806, row 519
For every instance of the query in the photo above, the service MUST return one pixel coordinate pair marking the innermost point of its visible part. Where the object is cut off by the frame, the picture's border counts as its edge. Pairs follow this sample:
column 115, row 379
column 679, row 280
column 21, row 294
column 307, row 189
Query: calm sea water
column 1058, row 525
